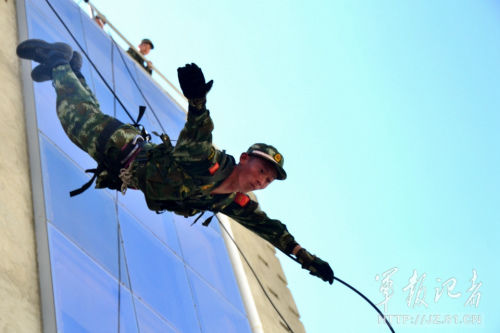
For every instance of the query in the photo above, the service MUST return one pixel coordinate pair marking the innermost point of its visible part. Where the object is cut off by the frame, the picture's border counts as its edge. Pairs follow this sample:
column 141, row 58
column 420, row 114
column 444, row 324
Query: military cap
column 271, row 154
column 148, row 41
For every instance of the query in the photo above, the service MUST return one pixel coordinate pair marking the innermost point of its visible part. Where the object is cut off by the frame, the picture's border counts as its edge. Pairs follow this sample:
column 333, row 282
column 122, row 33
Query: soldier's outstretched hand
column 192, row 81
column 315, row 265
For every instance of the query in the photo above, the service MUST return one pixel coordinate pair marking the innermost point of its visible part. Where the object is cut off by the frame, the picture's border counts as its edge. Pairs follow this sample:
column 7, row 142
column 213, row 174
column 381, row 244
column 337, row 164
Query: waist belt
column 119, row 169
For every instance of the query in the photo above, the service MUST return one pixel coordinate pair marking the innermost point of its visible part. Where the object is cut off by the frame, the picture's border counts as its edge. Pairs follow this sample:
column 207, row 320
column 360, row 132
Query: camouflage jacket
column 136, row 56
column 181, row 178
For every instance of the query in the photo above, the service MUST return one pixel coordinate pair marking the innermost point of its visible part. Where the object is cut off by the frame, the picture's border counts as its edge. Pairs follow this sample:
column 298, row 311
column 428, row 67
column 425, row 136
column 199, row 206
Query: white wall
column 19, row 293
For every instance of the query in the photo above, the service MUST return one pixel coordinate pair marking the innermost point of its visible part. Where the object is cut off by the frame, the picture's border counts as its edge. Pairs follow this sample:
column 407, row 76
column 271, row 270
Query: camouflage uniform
column 136, row 56
column 178, row 178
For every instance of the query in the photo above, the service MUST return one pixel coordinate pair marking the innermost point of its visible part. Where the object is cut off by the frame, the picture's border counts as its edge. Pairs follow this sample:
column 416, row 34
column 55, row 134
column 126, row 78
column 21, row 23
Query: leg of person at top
column 77, row 107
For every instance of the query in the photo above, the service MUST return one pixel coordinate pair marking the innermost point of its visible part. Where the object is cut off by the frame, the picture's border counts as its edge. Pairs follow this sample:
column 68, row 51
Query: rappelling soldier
column 187, row 178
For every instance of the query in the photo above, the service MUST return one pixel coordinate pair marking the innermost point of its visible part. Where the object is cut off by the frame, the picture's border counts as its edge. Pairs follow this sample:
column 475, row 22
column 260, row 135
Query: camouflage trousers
column 80, row 115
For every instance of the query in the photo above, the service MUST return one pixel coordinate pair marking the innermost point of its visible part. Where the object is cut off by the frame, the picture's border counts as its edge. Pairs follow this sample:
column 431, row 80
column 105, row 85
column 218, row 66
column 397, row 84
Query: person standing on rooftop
column 144, row 47
column 100, row 21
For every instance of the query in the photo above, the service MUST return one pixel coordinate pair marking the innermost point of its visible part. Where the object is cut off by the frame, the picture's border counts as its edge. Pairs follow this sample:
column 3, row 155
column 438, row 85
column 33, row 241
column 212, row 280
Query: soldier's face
column 144, row 48
column 255, row 173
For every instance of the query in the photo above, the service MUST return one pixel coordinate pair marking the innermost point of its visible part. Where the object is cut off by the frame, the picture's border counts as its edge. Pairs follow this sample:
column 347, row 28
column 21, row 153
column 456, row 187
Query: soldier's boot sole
column 42, row 73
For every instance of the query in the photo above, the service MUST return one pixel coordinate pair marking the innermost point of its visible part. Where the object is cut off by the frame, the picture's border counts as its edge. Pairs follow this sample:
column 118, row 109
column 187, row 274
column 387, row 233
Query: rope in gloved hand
column 359, row 293
column 295, row 259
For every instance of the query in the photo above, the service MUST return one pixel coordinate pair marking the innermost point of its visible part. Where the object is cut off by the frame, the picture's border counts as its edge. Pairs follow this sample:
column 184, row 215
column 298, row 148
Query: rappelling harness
column 111, row 169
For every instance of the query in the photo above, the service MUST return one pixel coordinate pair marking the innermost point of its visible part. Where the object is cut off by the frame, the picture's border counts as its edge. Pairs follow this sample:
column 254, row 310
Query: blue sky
column 387, row 114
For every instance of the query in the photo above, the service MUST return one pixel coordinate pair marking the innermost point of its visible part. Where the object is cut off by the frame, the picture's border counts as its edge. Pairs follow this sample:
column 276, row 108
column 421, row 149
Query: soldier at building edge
column 191, row 177
column 144, row 48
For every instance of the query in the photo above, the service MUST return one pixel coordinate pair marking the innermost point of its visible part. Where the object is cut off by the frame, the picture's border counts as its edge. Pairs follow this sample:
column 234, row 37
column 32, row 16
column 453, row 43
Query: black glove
column 315, row 265
column 192, row 82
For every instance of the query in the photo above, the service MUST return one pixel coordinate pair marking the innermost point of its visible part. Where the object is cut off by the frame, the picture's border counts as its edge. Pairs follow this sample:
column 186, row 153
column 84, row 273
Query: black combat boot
column 43, row 72
column 47, row 54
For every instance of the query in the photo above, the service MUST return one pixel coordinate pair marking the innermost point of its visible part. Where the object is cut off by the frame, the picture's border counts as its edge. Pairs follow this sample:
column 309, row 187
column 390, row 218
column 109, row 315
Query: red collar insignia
column 242, row 199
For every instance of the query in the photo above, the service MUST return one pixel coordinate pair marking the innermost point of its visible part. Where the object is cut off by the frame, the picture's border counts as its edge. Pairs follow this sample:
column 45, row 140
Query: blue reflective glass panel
column 68, row 12
column 163, row 109
column 150, row 322
column 98, row 49
column 126, row 79
column 86, row 297
column 204, row 250
column 71, row 16
column 109, row 61
column 157, row 275
column 162, row 225
column 128, row 318
column 215, row 312
column 50, row 125
column 89, row 219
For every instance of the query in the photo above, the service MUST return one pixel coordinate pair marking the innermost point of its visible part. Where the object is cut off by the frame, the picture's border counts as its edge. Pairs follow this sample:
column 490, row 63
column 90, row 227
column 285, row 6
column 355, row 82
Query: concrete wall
column 19, row 293
column 262, row 257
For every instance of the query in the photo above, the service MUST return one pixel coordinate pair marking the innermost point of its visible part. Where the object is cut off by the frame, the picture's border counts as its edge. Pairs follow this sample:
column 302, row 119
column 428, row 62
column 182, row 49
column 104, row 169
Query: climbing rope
column 294, row 259
column 360, row 294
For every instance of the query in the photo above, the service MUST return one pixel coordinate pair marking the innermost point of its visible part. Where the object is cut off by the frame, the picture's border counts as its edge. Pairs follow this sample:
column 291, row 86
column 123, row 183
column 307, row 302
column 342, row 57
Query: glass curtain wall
column 115, row 265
